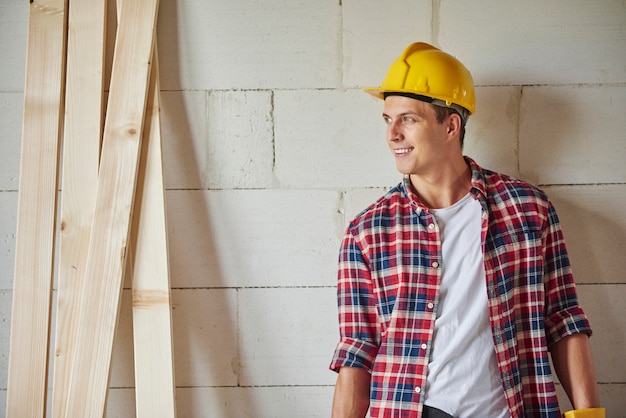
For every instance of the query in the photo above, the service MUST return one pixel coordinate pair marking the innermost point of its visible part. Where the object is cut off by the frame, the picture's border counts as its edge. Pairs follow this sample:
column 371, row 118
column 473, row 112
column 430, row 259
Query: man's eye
column 387, row 120
column 410, row 119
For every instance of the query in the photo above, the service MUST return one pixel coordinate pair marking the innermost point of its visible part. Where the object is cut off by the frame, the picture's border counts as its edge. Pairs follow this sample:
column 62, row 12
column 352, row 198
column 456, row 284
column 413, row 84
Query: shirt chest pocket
column 517, row 254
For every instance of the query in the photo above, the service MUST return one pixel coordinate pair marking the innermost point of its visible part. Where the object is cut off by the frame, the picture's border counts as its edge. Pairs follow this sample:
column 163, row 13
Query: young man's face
column 416, row 139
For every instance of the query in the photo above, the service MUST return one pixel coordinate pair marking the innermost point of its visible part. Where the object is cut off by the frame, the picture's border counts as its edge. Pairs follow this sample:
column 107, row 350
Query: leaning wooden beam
column 32, row 285
column 148, row 266
column 81, row 154
column 152, row 322
column 111, row 224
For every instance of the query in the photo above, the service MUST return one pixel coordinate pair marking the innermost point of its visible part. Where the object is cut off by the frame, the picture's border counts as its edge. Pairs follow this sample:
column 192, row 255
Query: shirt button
column 431, row 226
column 435, row 264
column 430, row 305
column 424, row 346
column 418, row 390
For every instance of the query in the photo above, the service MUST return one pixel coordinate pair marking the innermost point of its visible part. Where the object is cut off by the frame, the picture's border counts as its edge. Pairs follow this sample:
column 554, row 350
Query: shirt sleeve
column 563, row 316
column 358, row 319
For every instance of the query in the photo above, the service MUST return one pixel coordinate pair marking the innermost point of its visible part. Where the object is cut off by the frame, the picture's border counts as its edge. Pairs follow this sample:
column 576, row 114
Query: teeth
column 402, row 150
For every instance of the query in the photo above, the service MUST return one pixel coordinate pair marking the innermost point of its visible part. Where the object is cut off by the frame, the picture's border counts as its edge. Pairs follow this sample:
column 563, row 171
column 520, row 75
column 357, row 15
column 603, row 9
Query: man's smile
column 402, row 151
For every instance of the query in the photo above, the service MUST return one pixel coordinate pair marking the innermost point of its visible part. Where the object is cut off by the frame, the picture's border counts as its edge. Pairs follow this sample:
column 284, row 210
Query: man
column 455, row 286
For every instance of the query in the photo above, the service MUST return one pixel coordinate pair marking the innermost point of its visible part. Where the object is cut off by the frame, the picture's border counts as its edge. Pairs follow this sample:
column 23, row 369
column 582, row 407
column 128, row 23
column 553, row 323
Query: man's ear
column 454, row 123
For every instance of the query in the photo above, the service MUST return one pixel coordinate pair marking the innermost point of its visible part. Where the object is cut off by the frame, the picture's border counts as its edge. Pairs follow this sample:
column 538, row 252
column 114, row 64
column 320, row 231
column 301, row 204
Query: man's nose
column 393, row 133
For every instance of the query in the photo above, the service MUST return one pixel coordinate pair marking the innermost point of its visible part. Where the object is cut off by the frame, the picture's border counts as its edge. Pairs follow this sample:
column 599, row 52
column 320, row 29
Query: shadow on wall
column 204, row 313
column 596, row 237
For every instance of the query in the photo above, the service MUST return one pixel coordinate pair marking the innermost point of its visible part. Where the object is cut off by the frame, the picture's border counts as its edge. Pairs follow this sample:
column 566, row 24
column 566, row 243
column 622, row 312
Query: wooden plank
column 32, row 286
column 81, row 154
column 111, row 224
column 152, row 322
column 148, row 266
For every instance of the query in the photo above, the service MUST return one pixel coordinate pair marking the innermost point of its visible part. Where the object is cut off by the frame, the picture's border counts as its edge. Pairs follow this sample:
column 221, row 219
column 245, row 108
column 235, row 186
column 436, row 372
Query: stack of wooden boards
column 112, row 207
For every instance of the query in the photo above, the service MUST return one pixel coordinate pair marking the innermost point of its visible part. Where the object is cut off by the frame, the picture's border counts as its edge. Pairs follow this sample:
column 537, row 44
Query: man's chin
column 404, row 171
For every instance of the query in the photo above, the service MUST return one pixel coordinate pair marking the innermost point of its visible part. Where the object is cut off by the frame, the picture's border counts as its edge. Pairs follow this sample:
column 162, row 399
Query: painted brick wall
column 270, row 147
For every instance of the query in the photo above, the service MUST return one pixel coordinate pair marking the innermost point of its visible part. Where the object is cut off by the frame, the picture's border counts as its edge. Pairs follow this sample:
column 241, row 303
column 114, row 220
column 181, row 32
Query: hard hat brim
column 380, row 93
column 384, row 93
column 376, row 92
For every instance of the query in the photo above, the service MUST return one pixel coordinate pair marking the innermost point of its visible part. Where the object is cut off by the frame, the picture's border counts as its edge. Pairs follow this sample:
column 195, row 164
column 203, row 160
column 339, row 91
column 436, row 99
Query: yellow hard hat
column 430, row 74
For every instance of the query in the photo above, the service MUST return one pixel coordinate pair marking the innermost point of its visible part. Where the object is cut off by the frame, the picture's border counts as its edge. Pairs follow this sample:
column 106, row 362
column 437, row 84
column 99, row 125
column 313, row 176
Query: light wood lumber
column 30, row 318
column 111, row 224
column 152, row 322
column 148, row 267
column 81, row 154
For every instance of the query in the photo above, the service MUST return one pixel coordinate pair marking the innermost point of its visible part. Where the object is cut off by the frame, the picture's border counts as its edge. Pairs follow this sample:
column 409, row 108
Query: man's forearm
column 573, row 363
column 352, row 393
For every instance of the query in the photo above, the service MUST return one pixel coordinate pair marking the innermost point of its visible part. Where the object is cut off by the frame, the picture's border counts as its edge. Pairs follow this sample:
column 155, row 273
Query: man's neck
column 445, row 187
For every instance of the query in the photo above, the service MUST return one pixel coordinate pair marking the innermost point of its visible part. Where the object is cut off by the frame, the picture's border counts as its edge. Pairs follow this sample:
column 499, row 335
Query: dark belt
column 430, row 412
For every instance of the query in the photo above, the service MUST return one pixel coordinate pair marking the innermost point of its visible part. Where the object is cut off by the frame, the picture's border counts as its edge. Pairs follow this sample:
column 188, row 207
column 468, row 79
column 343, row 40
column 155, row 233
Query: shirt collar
column 407, row 188
column 478, row 190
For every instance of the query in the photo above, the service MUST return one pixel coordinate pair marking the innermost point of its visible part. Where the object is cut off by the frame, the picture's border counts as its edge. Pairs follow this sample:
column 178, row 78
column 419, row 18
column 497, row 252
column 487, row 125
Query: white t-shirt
column 463, row 377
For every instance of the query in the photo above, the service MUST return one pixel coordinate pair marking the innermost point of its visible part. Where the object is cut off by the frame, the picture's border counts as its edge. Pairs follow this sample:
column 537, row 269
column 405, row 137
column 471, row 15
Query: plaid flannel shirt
column 388, row 291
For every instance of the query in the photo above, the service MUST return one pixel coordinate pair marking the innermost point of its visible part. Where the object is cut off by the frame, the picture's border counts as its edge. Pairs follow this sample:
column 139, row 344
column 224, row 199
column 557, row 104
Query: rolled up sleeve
column 358, row 318
column 564, row 316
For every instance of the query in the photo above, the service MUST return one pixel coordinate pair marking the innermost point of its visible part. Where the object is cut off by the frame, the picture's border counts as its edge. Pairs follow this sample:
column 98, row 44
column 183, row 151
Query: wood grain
column 32, row 286
column 81, row 154
column 114, row 202
column 152, row 322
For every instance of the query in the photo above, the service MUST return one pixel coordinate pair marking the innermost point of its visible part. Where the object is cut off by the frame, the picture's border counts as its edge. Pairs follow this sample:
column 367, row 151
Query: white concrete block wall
column 491, row 137
column 283, row 336
column 601, row 223
column 372, row 25
column 316, row 140
column 253, row 238
column 248, row 44
column 270, row 148
column 536, row 42
column 559, row 134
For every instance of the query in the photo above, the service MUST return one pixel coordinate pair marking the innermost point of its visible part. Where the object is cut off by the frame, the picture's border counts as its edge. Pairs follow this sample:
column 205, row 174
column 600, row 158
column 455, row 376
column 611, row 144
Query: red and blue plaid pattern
column 388, row 291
